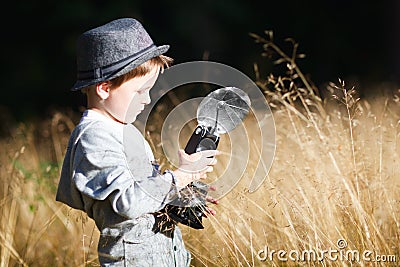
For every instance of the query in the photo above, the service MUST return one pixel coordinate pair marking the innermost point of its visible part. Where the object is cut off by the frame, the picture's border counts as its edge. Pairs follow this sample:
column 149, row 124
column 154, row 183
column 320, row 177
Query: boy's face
column 127, row 101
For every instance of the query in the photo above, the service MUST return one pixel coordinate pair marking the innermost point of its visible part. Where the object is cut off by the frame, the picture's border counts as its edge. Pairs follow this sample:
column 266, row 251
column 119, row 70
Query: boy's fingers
column 209, row 161
column 212, row 161
column 203, row 163
column 212, row 200
column 210, row 153
column 206, row 169
column 212, row 188
column 210, row 211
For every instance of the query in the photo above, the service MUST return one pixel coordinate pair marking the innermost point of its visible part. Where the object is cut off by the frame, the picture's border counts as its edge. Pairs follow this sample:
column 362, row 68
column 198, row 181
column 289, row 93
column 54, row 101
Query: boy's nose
column 147, row 99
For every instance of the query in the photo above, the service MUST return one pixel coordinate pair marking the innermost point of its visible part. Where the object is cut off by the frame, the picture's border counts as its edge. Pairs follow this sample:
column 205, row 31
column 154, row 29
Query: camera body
column 202, row 139
column 189, row 208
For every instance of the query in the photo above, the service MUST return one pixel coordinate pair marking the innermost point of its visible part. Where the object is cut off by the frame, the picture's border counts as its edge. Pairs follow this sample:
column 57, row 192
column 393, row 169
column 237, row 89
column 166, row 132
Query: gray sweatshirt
column 108, row 173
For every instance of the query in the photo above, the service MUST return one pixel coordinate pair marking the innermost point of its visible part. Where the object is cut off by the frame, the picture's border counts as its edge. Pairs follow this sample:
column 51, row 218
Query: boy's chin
column 130, row 119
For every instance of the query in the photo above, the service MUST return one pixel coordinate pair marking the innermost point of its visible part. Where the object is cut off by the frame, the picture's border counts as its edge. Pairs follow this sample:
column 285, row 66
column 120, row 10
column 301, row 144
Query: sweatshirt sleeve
column 101, row 172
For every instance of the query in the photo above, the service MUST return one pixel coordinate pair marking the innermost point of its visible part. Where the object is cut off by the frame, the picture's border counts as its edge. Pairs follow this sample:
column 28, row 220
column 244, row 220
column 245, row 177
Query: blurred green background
column 357, row 41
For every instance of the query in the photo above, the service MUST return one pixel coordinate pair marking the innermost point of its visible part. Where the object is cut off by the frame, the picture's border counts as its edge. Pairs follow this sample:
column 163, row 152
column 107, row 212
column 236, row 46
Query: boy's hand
column 194, row 166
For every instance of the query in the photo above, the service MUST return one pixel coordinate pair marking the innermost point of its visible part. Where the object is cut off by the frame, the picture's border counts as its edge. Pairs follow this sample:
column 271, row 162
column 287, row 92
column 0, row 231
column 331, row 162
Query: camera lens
column 206, row 144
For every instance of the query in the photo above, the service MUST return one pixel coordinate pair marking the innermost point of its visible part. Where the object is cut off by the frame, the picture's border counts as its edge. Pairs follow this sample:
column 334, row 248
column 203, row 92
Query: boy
column 107, row 170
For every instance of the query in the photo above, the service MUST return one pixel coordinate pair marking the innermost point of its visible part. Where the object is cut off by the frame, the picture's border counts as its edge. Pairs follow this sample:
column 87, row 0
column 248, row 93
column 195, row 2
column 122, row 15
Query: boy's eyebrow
column 144, row 88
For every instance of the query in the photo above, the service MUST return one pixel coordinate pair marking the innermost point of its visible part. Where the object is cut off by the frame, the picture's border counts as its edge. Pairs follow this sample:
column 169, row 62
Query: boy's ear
column 103, row 90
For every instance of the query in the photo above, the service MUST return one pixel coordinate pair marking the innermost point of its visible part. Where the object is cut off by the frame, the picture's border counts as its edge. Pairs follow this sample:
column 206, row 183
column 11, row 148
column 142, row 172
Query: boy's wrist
column 174, row 179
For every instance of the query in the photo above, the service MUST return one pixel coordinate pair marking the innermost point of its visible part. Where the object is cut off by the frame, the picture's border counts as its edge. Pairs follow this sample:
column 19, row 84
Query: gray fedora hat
column 111, row 50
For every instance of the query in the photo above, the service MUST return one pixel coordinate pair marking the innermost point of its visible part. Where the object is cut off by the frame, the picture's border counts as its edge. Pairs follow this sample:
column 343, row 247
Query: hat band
column 101, row 72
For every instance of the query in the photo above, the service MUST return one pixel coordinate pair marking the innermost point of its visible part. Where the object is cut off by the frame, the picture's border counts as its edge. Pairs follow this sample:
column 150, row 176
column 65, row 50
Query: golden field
column 334, row 177
column 326, row 183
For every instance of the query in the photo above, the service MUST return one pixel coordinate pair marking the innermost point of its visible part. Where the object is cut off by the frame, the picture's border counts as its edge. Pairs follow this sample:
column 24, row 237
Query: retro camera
column 219, row 112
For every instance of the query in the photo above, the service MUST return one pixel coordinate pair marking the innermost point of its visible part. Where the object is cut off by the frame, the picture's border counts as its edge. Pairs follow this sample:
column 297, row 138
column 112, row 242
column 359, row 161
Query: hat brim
column 154, row 52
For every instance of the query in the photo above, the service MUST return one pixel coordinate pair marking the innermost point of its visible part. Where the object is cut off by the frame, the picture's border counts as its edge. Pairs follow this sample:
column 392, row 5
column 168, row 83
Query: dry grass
column 317, row 192
column 334, row 176
column 35, row 230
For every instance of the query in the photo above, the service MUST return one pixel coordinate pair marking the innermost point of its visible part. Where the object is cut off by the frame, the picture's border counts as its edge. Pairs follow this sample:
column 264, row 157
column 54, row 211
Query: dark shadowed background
column 357, row 41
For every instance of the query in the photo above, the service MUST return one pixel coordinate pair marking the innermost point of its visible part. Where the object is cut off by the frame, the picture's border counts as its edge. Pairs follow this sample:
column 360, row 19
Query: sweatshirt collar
column 90, row 114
